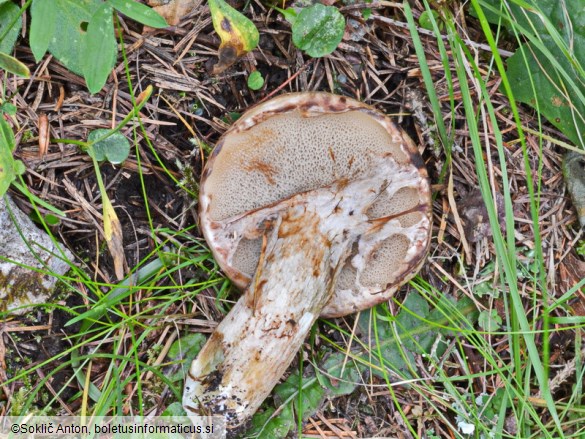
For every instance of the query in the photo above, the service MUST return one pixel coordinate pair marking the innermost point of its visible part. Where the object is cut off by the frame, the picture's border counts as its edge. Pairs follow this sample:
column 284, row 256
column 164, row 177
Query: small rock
column 20, row 282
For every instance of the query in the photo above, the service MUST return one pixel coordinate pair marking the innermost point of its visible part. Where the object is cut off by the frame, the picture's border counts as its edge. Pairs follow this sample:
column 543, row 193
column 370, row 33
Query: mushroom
column 317, row 205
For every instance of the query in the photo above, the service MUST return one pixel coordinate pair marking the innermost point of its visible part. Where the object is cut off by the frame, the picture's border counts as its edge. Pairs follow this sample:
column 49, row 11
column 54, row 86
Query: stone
column 30, row 261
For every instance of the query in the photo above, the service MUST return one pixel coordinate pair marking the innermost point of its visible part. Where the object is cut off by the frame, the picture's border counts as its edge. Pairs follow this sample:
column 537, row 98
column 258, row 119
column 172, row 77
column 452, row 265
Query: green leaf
column 49, row 219
column 557, row 106
column 8, row 13
column 233, row 27
column 100, row 48
column 489, row 320
column 12, row 65
column 8, row 108
column 336, row 378
column 255, row 80
column 19, row 168
column 425, row 21
column 42, row 26
column 414, row 331
column 185, row 349
column 186, row 346
column 6, row 135
column 114, row 148
column 559, row 89
column 289, row 14
column 318, row 30
column 139, row 12
column 303, row 396
column 238, row 34
column 525, row 17
column 72, row 17
column 174, row 409
column 7, row 145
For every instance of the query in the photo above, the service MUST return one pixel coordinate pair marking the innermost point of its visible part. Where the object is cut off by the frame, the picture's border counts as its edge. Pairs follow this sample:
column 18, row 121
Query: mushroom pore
column 317, row 205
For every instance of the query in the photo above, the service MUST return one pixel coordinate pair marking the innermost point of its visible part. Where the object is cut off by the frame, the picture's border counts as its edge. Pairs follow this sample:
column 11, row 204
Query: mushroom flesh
column 317, row 205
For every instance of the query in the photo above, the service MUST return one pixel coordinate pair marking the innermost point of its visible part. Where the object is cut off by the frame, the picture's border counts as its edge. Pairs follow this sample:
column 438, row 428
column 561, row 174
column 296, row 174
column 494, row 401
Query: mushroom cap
column 301, row 142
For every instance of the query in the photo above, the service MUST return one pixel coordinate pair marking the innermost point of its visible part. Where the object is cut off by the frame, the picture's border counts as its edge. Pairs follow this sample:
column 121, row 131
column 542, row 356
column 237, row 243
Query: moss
column 189, row 181
column 32, row 281
column 18, row 286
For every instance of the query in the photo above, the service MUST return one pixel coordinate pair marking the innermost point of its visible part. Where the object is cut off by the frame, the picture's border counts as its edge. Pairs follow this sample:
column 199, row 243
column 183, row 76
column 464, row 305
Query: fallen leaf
column 44, row 134
column 475, row 215
column 574, row 174
column 174, row 10
column 114, row 238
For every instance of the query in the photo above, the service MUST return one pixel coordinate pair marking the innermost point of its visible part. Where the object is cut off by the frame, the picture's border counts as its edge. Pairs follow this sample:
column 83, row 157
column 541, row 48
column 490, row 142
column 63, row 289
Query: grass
column 529, row 367
column 462, row 382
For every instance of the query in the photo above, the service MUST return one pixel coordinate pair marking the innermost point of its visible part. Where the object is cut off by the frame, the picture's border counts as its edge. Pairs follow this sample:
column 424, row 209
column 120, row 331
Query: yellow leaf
column 238, row 34
column 113, row 235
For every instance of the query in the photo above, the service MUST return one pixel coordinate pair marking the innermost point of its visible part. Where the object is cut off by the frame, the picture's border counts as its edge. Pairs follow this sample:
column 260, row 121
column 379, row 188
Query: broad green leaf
column 185, row 349
column 524, row 17
column 6, row 136
column 12, row 65
column 318, row 30
column 72, row 17
column 414, row 331
column 340, row 375
column 49, row 219
column 114, row 148
column 100, row 48
column 139, row 12
column 255, row 80
column 304, row 396
column 278, row 427
column 42, row 26
column 7, row 172
column 554, row 102
column 237, row 33
column 8, row 13
column 19, row 168
column 559, row 89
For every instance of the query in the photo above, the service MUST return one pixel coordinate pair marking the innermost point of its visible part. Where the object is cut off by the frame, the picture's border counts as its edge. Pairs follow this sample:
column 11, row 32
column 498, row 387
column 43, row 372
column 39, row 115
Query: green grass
column 527, row 371
column 113, row 327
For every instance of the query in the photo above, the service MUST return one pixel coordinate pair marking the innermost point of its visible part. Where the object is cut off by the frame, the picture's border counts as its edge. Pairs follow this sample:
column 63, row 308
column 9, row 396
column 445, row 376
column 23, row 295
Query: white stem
column 306, row 245
column 252, row 347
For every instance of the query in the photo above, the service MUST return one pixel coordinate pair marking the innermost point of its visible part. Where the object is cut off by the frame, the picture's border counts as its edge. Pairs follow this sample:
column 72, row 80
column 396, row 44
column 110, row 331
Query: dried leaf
column 174, row 10
column 475, row 215
column 114, row 238
column 44, row 134
column 574, row 174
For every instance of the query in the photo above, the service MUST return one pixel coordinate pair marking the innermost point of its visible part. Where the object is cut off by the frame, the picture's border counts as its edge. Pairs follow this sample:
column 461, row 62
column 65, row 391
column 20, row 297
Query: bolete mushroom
column 317, row 205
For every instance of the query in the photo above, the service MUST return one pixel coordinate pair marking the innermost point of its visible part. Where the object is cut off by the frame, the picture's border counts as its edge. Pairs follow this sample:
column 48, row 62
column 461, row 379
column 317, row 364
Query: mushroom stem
column 308, row 239
column 252, row 347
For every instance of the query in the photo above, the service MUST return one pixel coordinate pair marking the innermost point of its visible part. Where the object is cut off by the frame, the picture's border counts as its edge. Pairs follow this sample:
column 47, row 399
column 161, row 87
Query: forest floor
column 154, row 195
